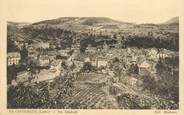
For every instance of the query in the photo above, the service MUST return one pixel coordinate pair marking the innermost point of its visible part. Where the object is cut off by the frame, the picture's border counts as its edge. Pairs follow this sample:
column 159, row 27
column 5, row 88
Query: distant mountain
column 52, row 29
column 174, row 20
column 17, row 24
column 80, row 20
column 81, row 23
column 94, row 30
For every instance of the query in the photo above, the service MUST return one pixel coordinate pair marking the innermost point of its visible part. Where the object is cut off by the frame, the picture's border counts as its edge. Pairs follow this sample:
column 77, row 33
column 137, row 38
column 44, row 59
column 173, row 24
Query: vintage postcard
column 91, row 57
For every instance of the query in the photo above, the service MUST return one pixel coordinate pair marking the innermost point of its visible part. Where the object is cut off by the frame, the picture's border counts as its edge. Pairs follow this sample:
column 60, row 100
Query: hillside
column 174, row 20
column 69, row 29
column 81, row 21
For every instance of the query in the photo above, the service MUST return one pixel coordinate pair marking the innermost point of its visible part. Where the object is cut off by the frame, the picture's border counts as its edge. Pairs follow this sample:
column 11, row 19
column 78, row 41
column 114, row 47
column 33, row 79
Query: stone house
column 144, row 68
column 13, row 58
column 44, row 60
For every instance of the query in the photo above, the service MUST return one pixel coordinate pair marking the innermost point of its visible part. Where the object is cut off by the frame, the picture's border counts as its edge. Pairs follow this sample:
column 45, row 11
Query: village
column 102, row 70
column 92, row 63
column 144, row 59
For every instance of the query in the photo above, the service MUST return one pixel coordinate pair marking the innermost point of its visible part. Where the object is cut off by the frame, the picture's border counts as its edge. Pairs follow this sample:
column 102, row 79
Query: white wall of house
column 13, row 58
column 102, row 63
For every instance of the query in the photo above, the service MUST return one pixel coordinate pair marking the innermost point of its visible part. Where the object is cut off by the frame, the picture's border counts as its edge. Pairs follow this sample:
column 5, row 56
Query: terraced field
column 87, row 96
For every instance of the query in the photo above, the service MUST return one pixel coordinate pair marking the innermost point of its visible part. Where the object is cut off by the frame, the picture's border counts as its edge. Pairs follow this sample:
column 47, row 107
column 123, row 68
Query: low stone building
column 33, row 55
column 144, row 68
column 55, row 65
column 13, row 58
column 44, row 45
column 97, row 62
column 44, row 60
column 101, row 62
column 64, row 52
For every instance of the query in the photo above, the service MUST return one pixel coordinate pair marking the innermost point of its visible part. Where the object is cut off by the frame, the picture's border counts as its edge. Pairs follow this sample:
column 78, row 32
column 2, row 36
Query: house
column 44, row 45
column 41, row 45
column 98, row 62
column 44, row 60
column 129, row 58
column 76, row 46
column 90, row 49
column 87, row 59
column 63, row 52
column 153, row 54
column 14, row 83
column 30, row 48
column 33, row 55
column 144, row 68
column 52, row 54
column 20, row 45
column 79, row 63
column 55, row 67
column 53, row 45
column 70, row 61
column 56, row 64
column 93, row 61
column 13, row 58
column 101, row 62
column 78, row 60
column 134, row 59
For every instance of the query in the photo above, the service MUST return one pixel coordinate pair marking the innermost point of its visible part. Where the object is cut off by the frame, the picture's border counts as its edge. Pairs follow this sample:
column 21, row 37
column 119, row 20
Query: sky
column 135, row 11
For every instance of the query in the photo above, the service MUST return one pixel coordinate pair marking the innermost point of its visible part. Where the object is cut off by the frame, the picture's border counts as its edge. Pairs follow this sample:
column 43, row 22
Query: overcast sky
column 137, row 11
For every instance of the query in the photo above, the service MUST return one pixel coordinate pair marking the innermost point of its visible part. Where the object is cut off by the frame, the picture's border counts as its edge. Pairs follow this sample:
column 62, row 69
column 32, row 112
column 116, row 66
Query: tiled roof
column 145, row 64
column 13, row 54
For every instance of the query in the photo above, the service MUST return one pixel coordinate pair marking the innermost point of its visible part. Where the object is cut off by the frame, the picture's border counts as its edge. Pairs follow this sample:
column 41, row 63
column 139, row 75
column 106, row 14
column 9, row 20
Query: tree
column 22, row 97
column 134, row 68
column 11, row 74
column 24, row 53
column 168, row 83
column 117, row 67
column 32, row 66
column 11, row 47
column 87, row 67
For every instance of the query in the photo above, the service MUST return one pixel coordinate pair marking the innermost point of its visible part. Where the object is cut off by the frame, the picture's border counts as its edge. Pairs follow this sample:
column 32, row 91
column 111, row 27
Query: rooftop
column 13, row 54
column 144, row 64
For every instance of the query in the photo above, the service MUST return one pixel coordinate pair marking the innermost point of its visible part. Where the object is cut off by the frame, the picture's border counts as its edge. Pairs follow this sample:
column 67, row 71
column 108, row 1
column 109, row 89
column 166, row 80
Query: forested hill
column 68, row 30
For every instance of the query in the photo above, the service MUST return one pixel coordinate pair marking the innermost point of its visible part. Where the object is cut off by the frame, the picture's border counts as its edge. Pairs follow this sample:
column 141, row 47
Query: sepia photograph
column 89, row 54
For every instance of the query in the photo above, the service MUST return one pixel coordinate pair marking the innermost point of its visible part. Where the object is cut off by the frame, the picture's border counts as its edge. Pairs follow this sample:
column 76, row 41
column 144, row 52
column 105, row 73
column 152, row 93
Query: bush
column 149, row 83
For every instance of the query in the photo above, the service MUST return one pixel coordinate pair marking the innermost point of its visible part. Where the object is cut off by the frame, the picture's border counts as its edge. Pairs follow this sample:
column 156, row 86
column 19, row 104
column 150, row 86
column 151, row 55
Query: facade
column 33, row 55
column 13, row 58
column 55, row 65
column 52, row 54
column 153, row 54
column 44, row 60
column 102, row 62
column 98, row 62
column 63, row 52
column 90, row 49
column 79, row 64
column 144, row 68
column 44, row 45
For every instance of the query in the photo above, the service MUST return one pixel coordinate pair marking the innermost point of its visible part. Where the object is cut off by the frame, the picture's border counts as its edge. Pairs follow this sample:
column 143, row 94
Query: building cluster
column 48, row 57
